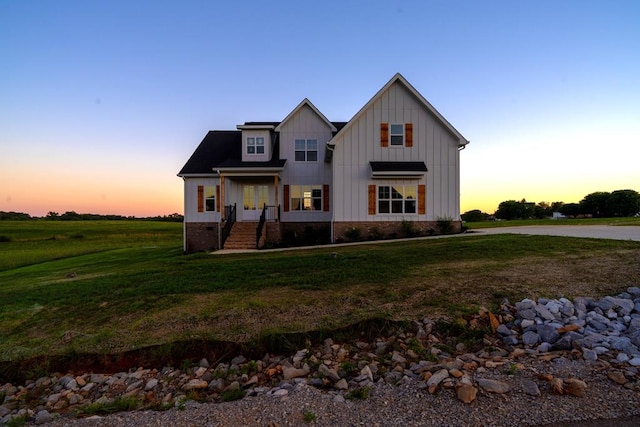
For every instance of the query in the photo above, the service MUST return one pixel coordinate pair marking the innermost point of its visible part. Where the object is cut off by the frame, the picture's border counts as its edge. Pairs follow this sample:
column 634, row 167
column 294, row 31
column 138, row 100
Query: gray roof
column 222, row 149
column 398, row 167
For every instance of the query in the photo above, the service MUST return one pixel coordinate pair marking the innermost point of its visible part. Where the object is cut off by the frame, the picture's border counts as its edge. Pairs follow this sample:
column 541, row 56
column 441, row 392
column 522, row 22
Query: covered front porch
column 251, row 210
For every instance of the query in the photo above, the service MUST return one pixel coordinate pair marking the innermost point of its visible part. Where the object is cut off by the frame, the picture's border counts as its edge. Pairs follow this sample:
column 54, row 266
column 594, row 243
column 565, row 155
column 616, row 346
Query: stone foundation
column 201, row 236
column 380, row 230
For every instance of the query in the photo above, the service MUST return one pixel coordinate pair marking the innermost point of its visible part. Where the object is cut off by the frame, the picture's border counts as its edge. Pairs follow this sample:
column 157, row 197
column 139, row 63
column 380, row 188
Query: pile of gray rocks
column 531, row 341
column 609, row 326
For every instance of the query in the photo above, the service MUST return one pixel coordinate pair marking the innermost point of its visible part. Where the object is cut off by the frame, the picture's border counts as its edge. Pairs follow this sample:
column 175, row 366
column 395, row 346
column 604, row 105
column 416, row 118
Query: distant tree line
column 600, row 204
column 74, row 216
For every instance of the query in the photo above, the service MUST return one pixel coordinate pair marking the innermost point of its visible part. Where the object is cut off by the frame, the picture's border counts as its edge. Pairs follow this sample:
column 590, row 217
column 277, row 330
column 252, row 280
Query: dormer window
column 255, row 145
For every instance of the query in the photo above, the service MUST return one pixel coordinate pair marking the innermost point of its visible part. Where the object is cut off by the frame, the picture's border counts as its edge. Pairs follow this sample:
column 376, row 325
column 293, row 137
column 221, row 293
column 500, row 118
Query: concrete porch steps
column 242, row 236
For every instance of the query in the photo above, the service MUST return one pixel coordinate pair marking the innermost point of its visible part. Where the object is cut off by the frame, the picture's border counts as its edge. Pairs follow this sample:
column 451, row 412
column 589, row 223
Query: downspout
column 221, row 210
column 333, row 191
column 184, row 221
column 460, row 148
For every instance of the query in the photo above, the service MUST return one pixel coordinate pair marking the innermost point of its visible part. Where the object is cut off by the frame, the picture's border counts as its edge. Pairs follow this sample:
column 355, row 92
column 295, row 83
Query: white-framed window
column 255, row 145
column 306, row 150
column 209, row 198
column 396, row 135
column 306, row 197
column 397, row 199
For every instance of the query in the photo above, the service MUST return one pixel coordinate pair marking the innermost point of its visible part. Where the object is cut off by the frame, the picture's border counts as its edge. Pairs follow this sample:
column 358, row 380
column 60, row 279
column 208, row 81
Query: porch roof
column 223, row 150
column 397, row 169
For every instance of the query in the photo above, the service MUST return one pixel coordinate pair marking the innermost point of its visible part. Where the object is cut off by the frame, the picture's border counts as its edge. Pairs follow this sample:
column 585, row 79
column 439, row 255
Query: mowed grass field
column 110, row 286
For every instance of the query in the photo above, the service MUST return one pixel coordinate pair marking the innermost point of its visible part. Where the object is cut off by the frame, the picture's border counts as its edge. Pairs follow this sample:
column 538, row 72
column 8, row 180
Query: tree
column 14, row 216
column 596, row 204
column 512, row 209
column 475, row 215
column 556, row 206
column 542, row 210
column 70, row 216
column 570, row 209
column 624, row 203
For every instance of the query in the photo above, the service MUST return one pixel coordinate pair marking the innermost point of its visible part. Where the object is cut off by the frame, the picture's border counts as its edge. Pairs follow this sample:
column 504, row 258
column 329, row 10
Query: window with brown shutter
column 286, row 197
column 200, row 198
column 325, row 197
column 421, row 199
column 384, row 134
column 217, row 198
column 408, row 139
column 372, row 199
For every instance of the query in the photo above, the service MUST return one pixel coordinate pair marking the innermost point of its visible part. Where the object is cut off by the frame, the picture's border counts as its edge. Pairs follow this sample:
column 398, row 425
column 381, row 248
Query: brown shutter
column 217, row 198
column 372, row 200
column 325, row 197
column 200, row 198
column 421, row 199
column 408, row 139
column 384, row 134
column 286, row 197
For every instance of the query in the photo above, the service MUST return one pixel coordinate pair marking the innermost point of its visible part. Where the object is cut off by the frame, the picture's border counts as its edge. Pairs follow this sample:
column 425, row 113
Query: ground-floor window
column 207, row 195
column 306, row 197
column 209, row 198
column 397, row 199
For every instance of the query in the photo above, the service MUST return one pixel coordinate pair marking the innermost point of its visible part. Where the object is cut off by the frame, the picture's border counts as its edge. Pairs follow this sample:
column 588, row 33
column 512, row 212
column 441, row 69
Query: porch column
column 275, row 187
column 222, row 203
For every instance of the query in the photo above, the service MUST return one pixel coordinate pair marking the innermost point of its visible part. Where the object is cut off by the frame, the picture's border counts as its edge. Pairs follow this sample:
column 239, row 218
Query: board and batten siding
column 253, row 133
column 191, row 213
column 304, row 124
column 360, row 143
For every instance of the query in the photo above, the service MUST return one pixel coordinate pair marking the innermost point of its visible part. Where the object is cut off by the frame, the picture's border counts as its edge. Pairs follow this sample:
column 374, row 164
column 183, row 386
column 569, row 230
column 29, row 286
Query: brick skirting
column 378, row 230
column 201, row 236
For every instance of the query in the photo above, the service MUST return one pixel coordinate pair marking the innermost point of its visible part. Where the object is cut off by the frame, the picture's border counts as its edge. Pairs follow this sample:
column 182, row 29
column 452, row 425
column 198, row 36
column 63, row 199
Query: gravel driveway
column 590, row 231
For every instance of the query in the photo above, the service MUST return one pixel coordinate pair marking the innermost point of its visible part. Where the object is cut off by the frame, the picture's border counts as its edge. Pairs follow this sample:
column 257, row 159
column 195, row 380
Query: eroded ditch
column 178, row 353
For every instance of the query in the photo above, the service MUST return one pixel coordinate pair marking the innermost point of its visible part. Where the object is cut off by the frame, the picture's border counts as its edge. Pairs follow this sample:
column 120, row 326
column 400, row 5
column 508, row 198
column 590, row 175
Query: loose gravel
column 407, row 404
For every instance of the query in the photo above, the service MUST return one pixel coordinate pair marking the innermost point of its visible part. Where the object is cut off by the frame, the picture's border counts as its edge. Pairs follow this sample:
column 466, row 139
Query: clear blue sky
column 102, row 102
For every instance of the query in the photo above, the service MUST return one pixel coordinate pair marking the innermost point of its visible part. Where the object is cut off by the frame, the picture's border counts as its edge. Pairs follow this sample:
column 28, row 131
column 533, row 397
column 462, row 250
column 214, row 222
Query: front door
column 254, row 198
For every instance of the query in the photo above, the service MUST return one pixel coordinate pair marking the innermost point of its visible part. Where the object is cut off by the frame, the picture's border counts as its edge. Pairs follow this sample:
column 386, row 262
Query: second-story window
column 306, row 150
column 255, row 145
column 397, row 134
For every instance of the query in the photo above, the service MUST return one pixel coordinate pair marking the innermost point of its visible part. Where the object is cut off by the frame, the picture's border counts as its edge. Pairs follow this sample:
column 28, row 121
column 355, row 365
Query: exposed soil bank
column 177, row 353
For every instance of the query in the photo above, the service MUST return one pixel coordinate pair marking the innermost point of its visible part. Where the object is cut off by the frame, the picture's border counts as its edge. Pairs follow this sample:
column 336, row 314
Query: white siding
column 304, row 124
column 191, row 213
column 234, row 193
column 266, row 156
column 360, row 144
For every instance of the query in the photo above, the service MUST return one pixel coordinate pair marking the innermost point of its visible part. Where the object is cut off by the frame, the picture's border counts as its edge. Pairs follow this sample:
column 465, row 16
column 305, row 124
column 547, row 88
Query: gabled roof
column 315, row 110
column 399, row 78
column 222, row 149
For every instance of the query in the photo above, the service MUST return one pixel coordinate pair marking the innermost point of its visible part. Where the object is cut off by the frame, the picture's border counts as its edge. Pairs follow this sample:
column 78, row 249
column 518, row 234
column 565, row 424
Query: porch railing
column 269, row 213
column 229, row 220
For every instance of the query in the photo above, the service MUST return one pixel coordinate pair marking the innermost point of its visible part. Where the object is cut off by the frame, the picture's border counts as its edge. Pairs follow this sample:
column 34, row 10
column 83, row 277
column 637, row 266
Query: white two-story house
column 393, row 168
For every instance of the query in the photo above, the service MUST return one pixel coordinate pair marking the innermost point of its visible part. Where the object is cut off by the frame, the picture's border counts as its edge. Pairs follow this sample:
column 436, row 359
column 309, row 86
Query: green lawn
column 125, row 285
column 33, row 242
